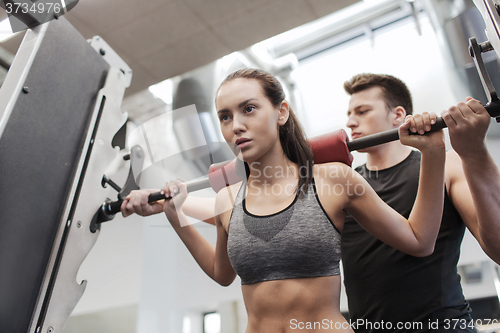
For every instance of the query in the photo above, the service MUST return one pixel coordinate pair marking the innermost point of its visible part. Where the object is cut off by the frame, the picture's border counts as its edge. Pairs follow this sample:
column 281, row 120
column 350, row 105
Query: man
column 388, row 289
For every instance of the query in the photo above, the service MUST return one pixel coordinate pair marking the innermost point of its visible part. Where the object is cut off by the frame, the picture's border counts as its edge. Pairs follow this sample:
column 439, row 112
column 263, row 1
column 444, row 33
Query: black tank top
column 383, row 283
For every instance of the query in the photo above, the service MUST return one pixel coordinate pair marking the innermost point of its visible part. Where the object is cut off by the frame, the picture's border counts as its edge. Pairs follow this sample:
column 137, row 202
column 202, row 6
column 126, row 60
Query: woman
column 280, row 230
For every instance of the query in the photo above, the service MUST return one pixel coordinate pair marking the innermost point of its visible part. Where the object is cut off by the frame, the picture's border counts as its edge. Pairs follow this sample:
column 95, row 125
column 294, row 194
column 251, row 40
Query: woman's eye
column 224, row 117
column 249, row 108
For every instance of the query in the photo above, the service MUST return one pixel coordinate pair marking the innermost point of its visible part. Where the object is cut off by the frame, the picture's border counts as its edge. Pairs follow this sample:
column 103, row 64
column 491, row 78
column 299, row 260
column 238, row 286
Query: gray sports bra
column 299, row 241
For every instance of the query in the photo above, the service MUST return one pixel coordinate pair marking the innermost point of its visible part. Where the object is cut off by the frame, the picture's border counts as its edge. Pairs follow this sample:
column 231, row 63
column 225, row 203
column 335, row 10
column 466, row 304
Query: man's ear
column 284, row 113
column 399, row 114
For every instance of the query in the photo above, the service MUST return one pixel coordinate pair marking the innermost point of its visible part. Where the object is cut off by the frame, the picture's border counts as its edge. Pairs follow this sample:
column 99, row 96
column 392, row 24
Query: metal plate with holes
column 44, row 132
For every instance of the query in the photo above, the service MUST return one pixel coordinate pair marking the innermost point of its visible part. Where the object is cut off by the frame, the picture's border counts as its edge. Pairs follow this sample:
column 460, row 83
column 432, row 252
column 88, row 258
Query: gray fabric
column 297, row 242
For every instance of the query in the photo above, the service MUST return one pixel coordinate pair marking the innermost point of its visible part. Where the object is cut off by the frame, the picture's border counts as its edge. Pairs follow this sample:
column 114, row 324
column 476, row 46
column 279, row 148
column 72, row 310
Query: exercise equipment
column 335, row 146
column 59, row 112
column 330, row 147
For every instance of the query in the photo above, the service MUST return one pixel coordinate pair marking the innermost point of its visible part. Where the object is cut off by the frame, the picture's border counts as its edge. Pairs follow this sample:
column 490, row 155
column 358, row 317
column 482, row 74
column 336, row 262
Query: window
column 211, row 322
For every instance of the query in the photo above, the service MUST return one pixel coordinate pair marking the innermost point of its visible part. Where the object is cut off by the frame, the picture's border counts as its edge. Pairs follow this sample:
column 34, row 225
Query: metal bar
column 386, row 136
column 13, row 84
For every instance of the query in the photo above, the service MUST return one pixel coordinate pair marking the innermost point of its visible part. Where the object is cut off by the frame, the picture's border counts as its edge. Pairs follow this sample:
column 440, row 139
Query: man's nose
column 351, row 122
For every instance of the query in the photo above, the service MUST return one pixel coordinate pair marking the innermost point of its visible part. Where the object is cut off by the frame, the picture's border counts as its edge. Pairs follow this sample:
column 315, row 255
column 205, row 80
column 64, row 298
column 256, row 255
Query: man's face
column 367, row 113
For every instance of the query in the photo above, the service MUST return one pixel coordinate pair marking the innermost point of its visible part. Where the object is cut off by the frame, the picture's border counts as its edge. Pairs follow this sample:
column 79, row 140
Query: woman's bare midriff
column 295, row 305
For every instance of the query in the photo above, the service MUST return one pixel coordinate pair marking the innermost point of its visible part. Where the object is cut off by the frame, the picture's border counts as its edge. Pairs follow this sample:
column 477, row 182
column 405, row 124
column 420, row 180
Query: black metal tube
column 113, row 207
column 386, row 136
column 361, row 143
column 365, row 142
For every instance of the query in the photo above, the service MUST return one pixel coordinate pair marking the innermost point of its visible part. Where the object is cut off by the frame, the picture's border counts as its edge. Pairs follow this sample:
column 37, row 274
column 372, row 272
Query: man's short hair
column 395, row 92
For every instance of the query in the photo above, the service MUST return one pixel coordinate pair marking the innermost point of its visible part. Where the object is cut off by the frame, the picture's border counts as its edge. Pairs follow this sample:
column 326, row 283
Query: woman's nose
column 238, row 124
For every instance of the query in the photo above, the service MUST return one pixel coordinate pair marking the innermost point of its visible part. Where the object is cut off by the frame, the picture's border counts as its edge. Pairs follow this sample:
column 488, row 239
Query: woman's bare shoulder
column 336, row 172
column 225, row 198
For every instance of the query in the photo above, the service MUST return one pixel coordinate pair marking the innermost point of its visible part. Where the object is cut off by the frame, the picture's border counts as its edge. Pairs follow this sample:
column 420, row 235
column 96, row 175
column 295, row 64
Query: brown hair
column 395, row 92
column 293, row 140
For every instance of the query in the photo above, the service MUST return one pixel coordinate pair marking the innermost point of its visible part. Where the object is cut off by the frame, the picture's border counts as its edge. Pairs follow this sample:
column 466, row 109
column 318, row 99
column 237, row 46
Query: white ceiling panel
column 112, row 15
column 263, row 22
column 162, row 38
column 324, row 7
column 187, row 55
column 85, row 29
column 166, row 26
column 141, row 78
column 217, row 12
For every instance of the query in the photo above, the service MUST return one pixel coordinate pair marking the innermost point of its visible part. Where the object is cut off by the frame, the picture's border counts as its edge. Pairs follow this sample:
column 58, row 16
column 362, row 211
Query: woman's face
column 248, row 120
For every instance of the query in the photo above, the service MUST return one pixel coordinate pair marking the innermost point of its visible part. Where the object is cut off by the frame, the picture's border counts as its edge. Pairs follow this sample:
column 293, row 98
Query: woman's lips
column 243, row 144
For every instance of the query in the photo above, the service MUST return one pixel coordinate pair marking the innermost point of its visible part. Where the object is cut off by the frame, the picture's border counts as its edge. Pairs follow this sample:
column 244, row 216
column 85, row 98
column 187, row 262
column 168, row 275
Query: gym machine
column 59, row 116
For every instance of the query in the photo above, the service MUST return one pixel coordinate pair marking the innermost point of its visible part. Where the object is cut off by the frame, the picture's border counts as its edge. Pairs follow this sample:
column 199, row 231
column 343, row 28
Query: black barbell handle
column 493, row 108
column 361, row 143
column 387, row 136
column 112, row 207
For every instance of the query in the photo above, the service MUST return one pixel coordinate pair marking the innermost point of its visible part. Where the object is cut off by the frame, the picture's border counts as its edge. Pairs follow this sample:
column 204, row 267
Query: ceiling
column 160, row 39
